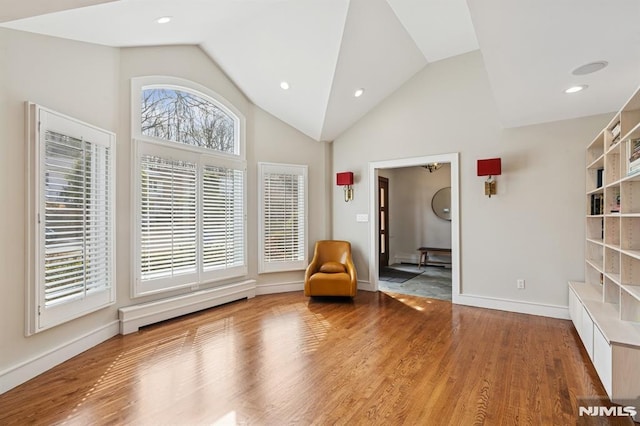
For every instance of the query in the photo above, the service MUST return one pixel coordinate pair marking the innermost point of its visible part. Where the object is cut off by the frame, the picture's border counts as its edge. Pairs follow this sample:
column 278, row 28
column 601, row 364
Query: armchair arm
column 311, row 269
column 351, row 270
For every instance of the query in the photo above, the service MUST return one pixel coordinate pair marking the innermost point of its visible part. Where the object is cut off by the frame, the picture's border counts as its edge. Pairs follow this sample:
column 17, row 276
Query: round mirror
column 441, row 203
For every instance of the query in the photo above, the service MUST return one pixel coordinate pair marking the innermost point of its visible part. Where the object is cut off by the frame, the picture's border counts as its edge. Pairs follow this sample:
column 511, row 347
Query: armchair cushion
column 332, row 267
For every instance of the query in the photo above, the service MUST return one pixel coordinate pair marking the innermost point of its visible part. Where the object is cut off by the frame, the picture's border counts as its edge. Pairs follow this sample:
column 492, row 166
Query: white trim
column 39, row 317
column 274, row 288
column 366, row 286
column 135, row 316
column 453, row 159
column 27, row 370
column 531, row 308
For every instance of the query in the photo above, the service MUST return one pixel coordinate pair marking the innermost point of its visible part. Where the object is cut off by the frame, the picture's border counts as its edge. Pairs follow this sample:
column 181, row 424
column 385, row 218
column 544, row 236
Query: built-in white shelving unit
column 605, row 309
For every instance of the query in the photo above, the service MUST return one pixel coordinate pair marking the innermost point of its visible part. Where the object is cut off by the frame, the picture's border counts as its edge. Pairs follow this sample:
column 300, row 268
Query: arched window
column 190, row 186
column 180, row 115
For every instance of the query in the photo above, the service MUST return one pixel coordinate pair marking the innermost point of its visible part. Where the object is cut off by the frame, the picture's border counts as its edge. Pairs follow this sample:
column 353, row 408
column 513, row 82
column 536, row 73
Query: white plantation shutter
column 283, row 217
column 168, row 218
column 189, row 190
column 74, row 195
column 190, row 219
column 222, row 218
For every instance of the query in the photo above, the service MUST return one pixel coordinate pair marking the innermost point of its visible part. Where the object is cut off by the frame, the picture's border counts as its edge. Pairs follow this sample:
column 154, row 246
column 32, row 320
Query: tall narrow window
column 283, row 217
column 73, row 202
column 190, row 187
column 168, row 218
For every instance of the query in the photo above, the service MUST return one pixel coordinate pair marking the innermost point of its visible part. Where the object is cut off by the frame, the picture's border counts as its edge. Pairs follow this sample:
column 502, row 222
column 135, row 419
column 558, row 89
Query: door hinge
column 39, row 310
column 39, row 219
column 39, row 123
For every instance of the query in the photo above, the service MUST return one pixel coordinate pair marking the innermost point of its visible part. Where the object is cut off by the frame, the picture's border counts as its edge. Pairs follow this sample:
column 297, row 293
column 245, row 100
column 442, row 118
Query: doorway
column 375, row 260
column 383, row 221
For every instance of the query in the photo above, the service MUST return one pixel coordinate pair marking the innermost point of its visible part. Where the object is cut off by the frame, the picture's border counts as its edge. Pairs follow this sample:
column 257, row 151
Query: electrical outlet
column 194, row 287
column 520, row 283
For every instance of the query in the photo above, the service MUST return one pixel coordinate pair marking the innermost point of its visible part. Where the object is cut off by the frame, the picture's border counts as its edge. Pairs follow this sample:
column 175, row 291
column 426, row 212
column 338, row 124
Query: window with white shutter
column 73, row 204
column 190, row 187
column 168, row 218
column 283, row 217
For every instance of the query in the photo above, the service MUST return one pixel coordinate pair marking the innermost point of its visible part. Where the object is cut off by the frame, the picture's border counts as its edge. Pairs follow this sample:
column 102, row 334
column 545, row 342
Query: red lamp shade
column 489, row 167
column 344, row 178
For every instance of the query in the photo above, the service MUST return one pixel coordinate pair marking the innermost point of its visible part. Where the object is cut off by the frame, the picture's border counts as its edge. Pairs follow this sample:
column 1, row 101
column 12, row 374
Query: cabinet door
column 586, row 331
column 602, row 360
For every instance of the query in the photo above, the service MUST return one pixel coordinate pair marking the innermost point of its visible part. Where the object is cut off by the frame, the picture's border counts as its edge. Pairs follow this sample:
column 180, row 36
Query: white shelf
column 633, row 290
column 599, row 242
column 597, row 163
column 599, row 190
column 634, row 133
column 631, row 253
column 594, row 266
column 631, row 178
column 616, row 278
column 606, row 316
column 614, row 146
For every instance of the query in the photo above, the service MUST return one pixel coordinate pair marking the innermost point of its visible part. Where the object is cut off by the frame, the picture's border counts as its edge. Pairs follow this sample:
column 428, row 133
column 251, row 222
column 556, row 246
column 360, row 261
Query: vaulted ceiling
column 327, row 49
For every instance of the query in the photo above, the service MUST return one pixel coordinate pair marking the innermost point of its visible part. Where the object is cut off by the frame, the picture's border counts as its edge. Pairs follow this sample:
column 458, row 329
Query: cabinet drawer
column 602, row 357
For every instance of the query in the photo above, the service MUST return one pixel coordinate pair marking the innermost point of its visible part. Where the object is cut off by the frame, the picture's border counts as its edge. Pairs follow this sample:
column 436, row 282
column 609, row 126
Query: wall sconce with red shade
column 490, row 167
column 346, row 179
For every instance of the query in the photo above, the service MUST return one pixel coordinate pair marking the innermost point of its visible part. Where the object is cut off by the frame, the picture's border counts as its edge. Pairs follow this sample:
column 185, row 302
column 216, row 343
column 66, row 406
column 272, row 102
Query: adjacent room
column 175, row 169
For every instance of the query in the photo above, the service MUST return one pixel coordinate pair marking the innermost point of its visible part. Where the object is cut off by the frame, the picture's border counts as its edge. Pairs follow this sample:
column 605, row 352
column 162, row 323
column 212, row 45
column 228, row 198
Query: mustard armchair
column 331, row 271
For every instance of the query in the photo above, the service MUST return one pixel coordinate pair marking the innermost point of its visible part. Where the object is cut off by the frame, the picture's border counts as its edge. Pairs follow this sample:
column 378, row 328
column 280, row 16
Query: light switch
column 362, row 217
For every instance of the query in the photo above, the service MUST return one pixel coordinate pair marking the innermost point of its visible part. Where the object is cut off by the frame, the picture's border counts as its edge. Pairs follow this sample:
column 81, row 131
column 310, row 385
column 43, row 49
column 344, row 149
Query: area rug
column 396, row 276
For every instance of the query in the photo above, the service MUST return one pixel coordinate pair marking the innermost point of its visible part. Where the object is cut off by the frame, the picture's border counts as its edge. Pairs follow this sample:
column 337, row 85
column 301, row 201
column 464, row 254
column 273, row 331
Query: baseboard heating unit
column 136, row 316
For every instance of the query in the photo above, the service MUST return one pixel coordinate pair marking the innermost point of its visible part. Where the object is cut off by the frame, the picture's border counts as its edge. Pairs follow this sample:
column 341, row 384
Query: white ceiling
column 326, row 49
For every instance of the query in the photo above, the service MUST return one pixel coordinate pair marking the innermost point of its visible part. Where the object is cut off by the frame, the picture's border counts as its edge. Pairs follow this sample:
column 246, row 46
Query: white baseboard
column 531, row 308
column 279, row 287
column 29, row 369
column 135, row 316
column 406, row 258
column 365, row 285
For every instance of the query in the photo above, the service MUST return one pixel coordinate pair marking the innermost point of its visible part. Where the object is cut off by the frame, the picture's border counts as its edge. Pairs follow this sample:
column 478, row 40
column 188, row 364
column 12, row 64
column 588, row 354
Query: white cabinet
column 605, row 309
column 602, row 360
column 586, row 331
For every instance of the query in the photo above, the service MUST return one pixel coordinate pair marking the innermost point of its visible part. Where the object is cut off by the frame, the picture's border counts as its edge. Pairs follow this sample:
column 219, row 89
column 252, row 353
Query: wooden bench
column 426, row 252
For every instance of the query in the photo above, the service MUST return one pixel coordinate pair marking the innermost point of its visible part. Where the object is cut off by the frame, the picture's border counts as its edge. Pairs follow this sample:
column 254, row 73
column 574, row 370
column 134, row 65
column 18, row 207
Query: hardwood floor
column 285, row 359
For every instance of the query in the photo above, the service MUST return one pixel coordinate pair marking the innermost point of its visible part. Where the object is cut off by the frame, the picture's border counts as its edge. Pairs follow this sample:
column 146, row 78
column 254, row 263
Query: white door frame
column 453, row 159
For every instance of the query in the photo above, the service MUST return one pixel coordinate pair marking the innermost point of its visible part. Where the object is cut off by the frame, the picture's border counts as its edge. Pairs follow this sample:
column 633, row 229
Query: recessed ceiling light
column 576, row 89
column 358, row 93
column 284, row 85
column 590, row 68
column 163, row 19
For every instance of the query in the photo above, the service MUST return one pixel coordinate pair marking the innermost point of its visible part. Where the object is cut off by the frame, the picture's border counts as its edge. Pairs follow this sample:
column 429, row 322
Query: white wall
column 533, row 228
column 80, row 80
column 412, row 222
column 92, row 83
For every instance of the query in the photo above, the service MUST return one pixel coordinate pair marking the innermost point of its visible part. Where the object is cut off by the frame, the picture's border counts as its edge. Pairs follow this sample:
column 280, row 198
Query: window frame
column 284, row 266
column 39, row 317
column 202, row 157
column 175, row 83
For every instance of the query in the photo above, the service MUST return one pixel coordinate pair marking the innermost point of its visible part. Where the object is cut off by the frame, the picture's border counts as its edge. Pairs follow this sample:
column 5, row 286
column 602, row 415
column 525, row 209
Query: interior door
column 383, row 221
